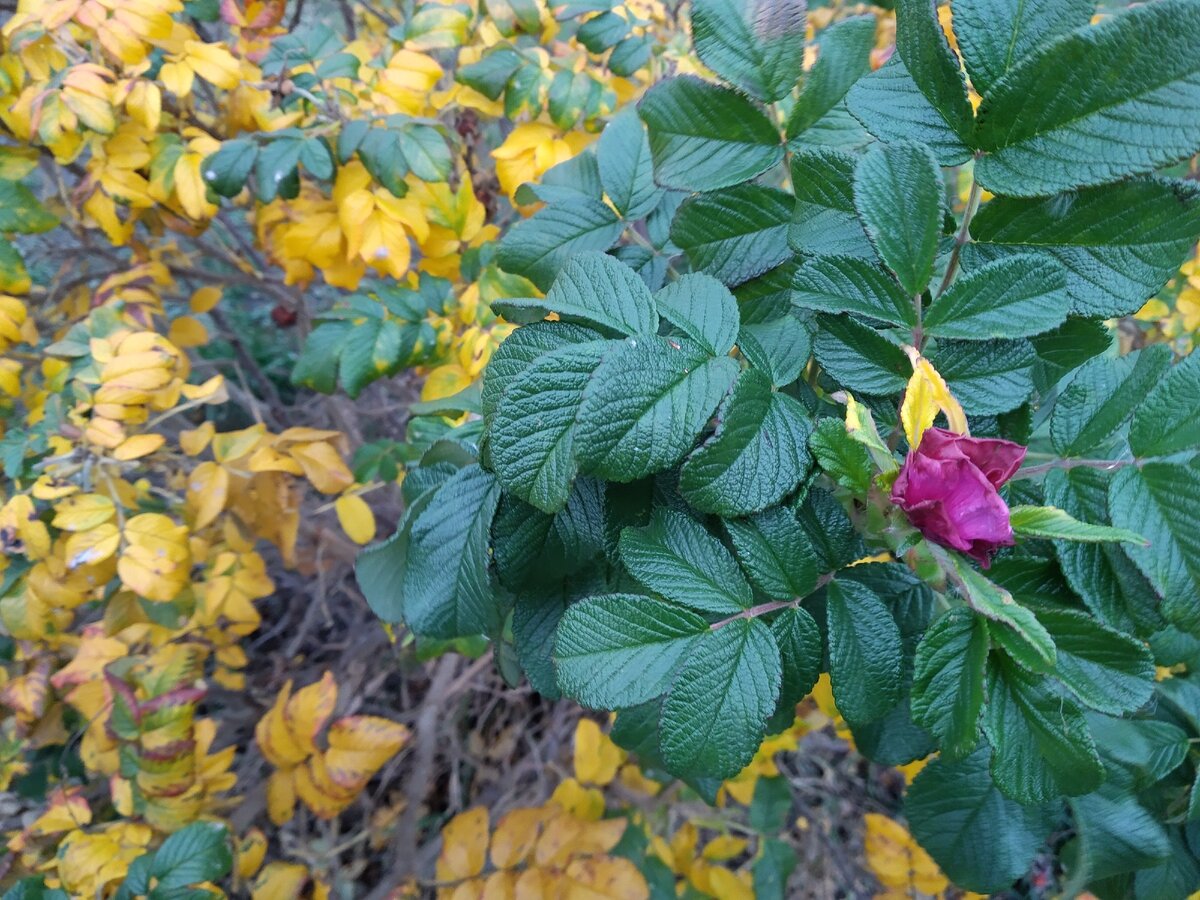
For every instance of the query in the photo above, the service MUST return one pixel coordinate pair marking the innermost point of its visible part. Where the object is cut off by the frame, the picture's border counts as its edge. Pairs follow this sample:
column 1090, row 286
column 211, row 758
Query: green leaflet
column 704, row 137
column 647, row 404
column 844, row 57
column 1115, row 834
column 1162, row 501
column 840, row 284
column 520, row 350
column 1095, row 105
column 979, row 837
column 948, row 680
column 859, row 357
column 1168, row 419
column 676, row 557
column 824, row 221
column 801, row 649
column 1041, row 746
column 1107, row 670
column 598, row 289
column 1119, row 243
column 622, row 649
column 779, row 348
column 757, row 45
column 703, row 309
column 446, row 585
column 987, row 377
column 775, row 552
column 922, row 45
column 1051, row 522
column 533, row 431
column 898, row 193
column 1101, row 396
column 864, row 652
column 713, row 718
column 756, row 455
column 626, row 170
column 1016, row 296
column 538, row 247
column 735, row 234
column 841, row 457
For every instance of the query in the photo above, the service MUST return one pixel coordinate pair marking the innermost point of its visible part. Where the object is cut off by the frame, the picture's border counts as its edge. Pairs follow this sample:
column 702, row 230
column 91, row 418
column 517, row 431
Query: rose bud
column 947, row 488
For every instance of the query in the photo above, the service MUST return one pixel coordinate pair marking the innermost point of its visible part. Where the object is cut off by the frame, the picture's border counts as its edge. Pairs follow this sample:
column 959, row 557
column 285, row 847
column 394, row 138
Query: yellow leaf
column 723, row 847
column 584, row 802
column 359, row 746
column 515, row 836
column 596, row 877
column 207, row 493
column 187, row 331
column 190, row 186
column 251, row 850
column 597, row 758
column 926, row 395
column 194, row 440
column 727, row 885
column 205, row 299
column 281, row 795
column 356, row 518
column 138, row 446
column 897, row 860
column 323, row 467
column 308, row 710
column 213, row 63
column 87, row 548
column 83, row 512
column 464, row 845
column 280, row 881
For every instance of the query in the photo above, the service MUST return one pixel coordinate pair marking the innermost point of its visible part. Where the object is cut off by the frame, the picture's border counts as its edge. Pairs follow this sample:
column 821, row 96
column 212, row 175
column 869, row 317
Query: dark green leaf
column 860, row 357
column 898, row 192
column 647, row 404
column 446, row 587
column 756, row 455
column 622, row 649
column 1107, row 670
column 1095, row 105
column 840, row 284
column 780, row 348
column 426, row 152
column 1167, row 420
column 1013, row 297
column 755, row 44
column 538, row 247
column 922, row 46
column 199, row 852
column 713, row 718
column 626, row 169
column 844, row 56
column 1115, row 834
column 674, row 556
column 735, row 234
column 704, row 137
column 948, row 678
column 703, row 309
column 841, row 457
column 522, row 348
column 987, row 377
column 801, row 650
column 775, row 552
column 864, row 652
column 226, row 170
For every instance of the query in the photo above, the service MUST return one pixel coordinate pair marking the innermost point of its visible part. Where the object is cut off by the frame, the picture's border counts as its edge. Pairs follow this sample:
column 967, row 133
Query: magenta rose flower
column 947, row 488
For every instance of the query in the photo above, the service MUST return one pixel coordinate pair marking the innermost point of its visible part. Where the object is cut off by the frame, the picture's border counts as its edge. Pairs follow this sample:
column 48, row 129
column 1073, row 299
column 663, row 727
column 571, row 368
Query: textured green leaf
column 780, row 348
column 703, row 309
column 892, row 107
column 647, row 404
column 622, row 649
column 202, row 851
column 948, row 678
column 1140, row 751
column 532, row 436
column 704, row 137
column 713, row 718
column 1163, row 503
column 987, row 377
column 860, row 357
column 995, row 35
column 840, row 284
column 532, row 547
column 1107, row 670
column 922, row 45
column 898, row 192
column 520, row 350
column 1115, row 834
column 626, row 169
column 676, row 557
column 843, row 57
column 371, row 349
column 979, row 837
column 1102, row 574
column 379, row 568
column 1016, row 296
column 1103, row 394
column 993, row 602
column 1168, row 419
column 446, row 587
column 801, row 650
column 830, row 532
column 735, row 234
column 601, row 290
column 841, row 457
column 538, row 247
column 1052, row 522
column 1041, row 746
column 755, row 44
column 1119, row 243
column 1070, row 345
column 1095, row 105
column 864, row 652
column 756, row 455
column 775, row 552
column 824, row 221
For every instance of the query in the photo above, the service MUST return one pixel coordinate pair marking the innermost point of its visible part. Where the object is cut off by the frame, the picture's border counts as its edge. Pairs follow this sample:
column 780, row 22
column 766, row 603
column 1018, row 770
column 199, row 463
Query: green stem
column 964, row 234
